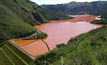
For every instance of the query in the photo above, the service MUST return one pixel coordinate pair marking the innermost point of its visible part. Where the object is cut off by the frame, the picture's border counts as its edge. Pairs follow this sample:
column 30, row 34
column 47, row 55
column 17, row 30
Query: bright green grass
column 12, row 56
column 20, row 53
column 3, row 59
column 16, row 55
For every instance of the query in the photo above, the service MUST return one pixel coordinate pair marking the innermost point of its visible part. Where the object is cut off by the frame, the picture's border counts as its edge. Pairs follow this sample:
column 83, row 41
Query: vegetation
column 11, row 55
column 3, row 59
column 37, row 36
column 16, row 19
column 17, row 16
column 29, row 38
column 41, row 35
column 53, row 15
column 49, row 14
column 20, row 53
column 94, row 8
column 85, row 49
column 103, row 21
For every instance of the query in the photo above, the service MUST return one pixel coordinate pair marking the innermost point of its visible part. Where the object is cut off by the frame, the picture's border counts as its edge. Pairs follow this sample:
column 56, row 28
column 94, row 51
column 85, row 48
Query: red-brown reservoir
column 59, row 32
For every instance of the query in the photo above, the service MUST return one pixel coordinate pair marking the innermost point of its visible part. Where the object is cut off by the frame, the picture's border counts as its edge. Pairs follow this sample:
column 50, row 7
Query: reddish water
column 60, row 32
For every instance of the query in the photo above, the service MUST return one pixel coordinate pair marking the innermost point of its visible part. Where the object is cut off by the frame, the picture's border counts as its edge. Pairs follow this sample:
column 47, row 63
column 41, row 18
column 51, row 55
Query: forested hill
column 94, row 8
column 18, row 16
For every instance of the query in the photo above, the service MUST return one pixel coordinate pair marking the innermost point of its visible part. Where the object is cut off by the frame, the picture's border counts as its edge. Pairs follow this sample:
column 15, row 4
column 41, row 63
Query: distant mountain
column 18, row 16
column 94, row 8
column 49, row 14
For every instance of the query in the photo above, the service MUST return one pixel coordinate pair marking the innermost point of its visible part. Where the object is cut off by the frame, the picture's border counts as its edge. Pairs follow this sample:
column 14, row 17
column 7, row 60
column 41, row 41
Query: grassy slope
column 16, row 18
column 3, row 59
column 23, row 9
column 12, row 55
column 85, row 49
column 11, row 26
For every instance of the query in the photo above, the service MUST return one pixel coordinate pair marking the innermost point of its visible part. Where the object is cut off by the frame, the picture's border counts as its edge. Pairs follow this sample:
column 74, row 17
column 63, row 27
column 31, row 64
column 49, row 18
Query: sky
column 40, row 2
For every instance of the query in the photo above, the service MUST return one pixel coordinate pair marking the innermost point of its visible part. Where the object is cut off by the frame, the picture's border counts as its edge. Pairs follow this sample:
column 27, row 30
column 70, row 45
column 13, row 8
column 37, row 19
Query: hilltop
column 94, row 8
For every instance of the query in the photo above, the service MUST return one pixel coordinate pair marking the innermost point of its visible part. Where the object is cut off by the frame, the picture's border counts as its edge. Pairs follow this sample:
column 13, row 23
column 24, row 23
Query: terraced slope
column 4, row 59
column 10, row 55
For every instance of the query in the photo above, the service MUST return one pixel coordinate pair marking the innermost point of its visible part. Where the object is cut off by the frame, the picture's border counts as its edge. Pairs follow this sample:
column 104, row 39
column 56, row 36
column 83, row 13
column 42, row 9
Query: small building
column 98, row 18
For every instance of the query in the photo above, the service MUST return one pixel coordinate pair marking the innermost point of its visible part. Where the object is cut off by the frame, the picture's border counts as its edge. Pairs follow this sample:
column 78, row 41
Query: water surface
column 59, row 32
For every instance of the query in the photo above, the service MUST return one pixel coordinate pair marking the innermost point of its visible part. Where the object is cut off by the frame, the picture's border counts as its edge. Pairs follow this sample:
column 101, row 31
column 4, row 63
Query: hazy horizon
column 41, row 2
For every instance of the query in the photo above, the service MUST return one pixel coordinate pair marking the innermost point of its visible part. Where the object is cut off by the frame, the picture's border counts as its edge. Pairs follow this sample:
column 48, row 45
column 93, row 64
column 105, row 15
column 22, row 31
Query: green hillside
column 85, row 49
column 53, row 15
column 95, row 8
column 18, row 16
column 49, row 14
column 11, row 26
column 73, row 8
